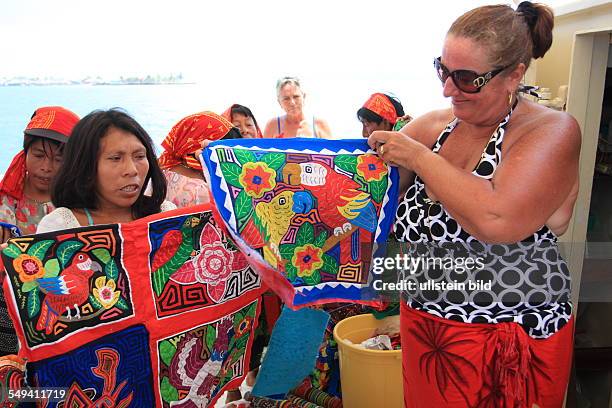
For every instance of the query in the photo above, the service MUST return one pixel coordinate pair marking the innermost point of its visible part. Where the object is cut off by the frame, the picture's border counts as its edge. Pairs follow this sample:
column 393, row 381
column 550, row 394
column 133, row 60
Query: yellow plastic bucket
column 370, row 378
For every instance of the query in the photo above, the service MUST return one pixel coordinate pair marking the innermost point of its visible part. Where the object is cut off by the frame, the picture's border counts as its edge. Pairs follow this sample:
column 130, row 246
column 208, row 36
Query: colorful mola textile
column 12, row 377
column 307, row 212
column 157, row 312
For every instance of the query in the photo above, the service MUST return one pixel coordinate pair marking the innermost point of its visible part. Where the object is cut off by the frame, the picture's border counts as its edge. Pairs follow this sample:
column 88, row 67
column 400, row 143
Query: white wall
column 553, row 69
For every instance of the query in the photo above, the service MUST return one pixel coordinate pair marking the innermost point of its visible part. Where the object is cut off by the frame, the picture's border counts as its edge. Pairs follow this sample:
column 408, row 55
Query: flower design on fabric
column 441, row 364
column 307, row 259
column 244, row 326
column 371, row 167
column 105, row 292
column 212, row 264
column 257, row 179
column 28, row 267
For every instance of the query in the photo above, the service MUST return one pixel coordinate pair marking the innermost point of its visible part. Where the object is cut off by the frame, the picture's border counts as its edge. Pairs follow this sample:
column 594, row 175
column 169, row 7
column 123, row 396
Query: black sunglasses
column 466, row 80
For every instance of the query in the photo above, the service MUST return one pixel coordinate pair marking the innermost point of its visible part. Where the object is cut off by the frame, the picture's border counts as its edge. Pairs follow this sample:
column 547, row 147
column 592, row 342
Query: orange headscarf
column 228, row 115
column 186, row 138
column 381, row 105
column 50, row 122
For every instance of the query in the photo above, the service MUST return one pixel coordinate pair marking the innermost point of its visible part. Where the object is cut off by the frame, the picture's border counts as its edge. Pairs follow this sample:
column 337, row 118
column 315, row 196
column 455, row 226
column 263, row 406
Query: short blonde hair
column 288, row 80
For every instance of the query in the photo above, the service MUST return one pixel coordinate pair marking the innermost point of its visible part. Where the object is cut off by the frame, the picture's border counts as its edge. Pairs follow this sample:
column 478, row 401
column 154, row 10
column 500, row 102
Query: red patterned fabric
column 186, row 137
column 382, row 106
column 14, row 179
column 12, row 377
column 453, row 364
column 175, row 276
column 56, row 119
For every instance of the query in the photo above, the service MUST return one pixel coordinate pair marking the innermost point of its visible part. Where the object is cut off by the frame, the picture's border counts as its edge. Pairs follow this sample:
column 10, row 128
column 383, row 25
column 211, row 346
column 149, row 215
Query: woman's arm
column 534, row 179
column 5, row 234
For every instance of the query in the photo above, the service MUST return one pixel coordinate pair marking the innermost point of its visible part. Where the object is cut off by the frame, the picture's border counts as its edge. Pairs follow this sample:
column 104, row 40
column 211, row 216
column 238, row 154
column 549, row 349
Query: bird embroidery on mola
column 65, row 284
column 308, row 211
column 160, row 311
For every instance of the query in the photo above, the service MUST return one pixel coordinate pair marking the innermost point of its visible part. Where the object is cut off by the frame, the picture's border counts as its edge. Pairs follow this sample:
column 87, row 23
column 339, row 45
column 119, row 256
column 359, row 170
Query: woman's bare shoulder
column 536, row 124
column 426, row 128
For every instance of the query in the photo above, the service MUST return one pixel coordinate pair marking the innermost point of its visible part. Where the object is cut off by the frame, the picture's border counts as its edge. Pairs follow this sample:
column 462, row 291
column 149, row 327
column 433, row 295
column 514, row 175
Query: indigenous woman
column 243, row 119
column 108, row 161
column 25, row 190
column 294, row 123
column 381, row 112
column 494, row 178
column 181, row 166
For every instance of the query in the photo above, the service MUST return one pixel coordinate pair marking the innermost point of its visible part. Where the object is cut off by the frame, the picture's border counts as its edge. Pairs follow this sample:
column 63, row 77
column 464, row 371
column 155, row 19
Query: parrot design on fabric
column 176, row 248
column 274, row 218
column 69, row 289
column 340, row 203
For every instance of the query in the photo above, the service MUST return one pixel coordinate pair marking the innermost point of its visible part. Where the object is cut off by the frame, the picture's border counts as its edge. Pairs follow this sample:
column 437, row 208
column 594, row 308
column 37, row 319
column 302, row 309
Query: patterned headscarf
column 186, row 138
column 228, row 115
column 49, row 122
column 381, row 105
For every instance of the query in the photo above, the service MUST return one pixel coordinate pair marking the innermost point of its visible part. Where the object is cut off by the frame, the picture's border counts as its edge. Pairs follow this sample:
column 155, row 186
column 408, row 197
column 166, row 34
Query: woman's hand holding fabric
column 398, row 149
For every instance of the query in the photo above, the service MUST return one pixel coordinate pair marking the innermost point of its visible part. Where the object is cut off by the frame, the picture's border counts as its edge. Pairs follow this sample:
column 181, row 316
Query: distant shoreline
column 97, row 84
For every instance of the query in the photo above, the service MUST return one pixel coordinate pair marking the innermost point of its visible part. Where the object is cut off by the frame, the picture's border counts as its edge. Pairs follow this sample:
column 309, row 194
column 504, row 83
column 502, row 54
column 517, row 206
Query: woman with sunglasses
column 492, row 171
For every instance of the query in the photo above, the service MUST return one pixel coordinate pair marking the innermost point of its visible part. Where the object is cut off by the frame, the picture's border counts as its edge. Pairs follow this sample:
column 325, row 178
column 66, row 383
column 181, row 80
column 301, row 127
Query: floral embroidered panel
column 175, row 275
column 307, row 212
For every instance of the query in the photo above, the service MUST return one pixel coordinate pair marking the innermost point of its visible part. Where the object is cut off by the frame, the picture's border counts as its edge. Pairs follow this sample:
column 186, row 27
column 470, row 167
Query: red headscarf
column 186, row 138
column 50, row 122
column 381, row 105
column 228, row 115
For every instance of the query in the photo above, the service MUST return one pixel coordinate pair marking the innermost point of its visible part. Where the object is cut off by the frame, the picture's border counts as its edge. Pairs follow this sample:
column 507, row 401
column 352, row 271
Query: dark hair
column 509, row 37
column 243, row 110
column 75, row 183
column 29, row 140
column 367, row 114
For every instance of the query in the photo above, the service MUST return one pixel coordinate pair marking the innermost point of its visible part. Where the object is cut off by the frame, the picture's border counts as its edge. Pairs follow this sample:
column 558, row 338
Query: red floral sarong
column 453, row 364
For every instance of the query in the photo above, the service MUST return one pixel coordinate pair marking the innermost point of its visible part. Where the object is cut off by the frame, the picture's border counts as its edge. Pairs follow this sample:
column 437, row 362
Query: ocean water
column 158, row 107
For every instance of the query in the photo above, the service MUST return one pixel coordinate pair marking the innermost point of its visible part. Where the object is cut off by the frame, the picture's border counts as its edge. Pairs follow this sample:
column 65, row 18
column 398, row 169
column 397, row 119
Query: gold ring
column 382, row 149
